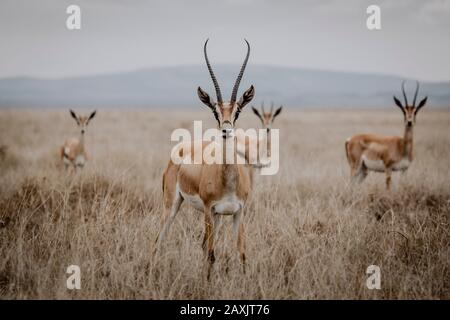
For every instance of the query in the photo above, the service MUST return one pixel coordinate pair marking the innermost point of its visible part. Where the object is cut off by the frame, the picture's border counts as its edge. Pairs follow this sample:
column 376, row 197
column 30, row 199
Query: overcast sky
column 132, row 34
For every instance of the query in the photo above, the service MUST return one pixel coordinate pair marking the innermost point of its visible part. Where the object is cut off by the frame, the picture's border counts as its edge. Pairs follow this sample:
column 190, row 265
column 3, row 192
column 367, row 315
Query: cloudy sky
column 132, row 34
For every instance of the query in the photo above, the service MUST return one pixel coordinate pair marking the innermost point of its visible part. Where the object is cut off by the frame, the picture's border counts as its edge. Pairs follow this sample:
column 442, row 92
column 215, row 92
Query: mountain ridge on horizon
column 177, row 85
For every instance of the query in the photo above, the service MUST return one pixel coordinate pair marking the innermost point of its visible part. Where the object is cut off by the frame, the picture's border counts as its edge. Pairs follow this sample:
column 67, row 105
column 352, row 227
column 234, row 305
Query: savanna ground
column 309, row 234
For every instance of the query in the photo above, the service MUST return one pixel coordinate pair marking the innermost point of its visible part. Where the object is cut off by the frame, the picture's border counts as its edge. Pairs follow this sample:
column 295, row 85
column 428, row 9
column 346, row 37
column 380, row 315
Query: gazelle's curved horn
column 213, row 77
column 262, row 107
column 415, row 94
column 239, row 77
column 404, row 94
column 271, row 107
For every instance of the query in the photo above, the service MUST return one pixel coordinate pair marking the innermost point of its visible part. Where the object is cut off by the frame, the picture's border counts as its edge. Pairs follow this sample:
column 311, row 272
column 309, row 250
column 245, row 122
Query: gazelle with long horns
column 215, row 189
column 73, row 151
column 370, row 152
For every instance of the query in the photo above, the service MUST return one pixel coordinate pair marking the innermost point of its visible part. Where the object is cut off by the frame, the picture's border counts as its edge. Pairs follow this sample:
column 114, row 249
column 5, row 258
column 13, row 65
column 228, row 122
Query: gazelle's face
column 82, row 121
column 410, row 115
column 226, row 113
column 267, row 118
column 410, row 111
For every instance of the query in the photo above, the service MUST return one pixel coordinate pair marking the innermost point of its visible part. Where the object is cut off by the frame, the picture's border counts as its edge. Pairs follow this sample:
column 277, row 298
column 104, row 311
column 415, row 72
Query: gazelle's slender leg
column 388, row 177
column 216, row 224
column 238, row 228
column 404, row 173
column 169, row 216
column 353, row 171
column 362, row 174
column 211, row 221
column 359, row 173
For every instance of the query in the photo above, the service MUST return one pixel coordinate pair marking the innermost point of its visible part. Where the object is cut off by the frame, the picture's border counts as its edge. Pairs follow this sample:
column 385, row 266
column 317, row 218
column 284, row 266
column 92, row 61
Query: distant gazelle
column 73, row 151
column 267, row 119
column 370, row 152
column 215, row 189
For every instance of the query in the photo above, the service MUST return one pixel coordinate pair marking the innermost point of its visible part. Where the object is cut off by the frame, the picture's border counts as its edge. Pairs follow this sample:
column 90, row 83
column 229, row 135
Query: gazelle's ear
column 255, row 111
column 247, row 97
column 421, row 104
column 92, row 115
column 72, row 113
column 277, row 112
column 205, row 98
column 399, row 104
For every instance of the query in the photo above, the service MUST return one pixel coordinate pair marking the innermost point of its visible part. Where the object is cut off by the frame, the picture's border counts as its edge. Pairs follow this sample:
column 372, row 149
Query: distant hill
column 176, row 87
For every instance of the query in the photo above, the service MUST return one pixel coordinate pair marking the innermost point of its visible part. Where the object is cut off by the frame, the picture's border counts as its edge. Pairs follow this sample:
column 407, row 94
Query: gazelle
column 215, row 189
column 370, row 152
column 73, row 151
column 267, row 119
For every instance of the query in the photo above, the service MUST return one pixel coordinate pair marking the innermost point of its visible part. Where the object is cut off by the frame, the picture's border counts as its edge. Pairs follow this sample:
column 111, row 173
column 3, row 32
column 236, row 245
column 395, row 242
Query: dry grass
column 309, row 234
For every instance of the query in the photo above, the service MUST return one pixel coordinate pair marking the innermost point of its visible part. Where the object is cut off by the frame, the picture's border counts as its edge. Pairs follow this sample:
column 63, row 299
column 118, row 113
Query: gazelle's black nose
column 82, row 131
column 227, row 133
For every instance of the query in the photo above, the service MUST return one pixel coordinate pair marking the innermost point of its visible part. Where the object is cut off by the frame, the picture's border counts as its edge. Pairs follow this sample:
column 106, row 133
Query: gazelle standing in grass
column 215, row 189
column 267, row 119
column 73, row 151
column 370, row 152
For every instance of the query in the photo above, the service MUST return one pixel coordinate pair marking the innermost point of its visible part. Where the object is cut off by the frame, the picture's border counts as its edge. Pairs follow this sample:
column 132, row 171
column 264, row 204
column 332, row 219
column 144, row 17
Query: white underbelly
column 374, row 164
column 378, row 165
column 401, row 165
column 80, row 160
column 229, row 204
column 193, row 200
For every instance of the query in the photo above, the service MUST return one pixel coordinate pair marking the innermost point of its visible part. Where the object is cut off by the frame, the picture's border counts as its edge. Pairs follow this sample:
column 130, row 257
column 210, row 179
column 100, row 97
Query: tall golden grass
column 309, row 234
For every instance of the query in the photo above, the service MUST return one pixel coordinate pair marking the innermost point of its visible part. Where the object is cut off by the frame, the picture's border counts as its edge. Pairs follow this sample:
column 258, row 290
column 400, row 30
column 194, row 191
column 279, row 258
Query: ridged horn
column 213, row 77
column 415, row 94
column 404, row 94
column 239, row 77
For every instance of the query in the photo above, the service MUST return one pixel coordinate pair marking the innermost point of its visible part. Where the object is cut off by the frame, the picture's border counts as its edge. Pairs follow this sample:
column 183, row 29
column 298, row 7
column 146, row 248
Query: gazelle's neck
column 265, row 143
column 268, row 142
column 408, row 142
column 229, row 172
column 82, row 142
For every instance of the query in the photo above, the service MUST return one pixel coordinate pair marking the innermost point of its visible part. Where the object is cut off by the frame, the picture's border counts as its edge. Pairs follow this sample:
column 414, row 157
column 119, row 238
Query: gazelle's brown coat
column 73, row 151
column 215, row 189
column 370, row 152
